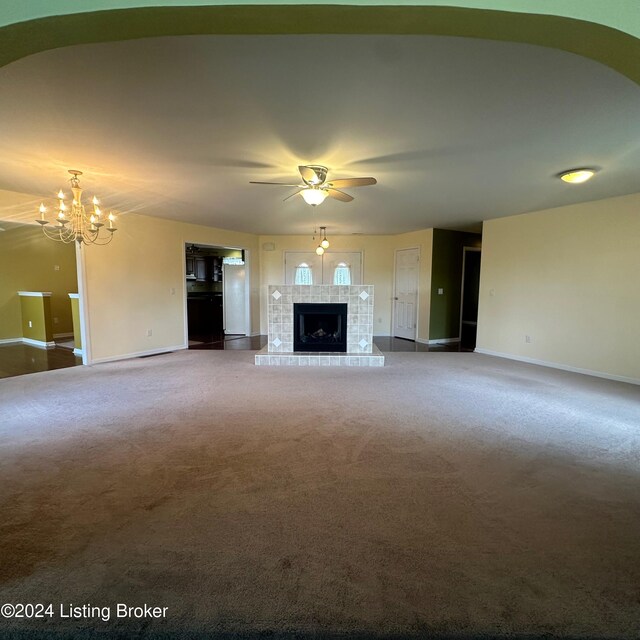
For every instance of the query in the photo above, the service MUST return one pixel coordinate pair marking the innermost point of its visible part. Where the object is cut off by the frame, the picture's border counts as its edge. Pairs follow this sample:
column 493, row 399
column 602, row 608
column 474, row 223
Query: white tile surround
column 361, row 352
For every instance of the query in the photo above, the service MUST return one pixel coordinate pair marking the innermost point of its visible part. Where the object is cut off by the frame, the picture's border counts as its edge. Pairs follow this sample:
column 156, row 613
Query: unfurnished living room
column 320, row 320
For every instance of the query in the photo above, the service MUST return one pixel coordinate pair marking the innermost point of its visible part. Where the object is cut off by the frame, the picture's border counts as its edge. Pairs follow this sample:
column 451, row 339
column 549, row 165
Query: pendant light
column 324, row 243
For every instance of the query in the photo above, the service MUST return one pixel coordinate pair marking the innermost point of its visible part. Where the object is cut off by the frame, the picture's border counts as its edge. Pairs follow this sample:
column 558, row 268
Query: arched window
column 342, row 274
column 303, row 274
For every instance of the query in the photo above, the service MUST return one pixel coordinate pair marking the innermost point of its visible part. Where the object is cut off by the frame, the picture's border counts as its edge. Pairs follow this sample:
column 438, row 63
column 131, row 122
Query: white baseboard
column 77, row 352
column 138, row 354
column 39, row 343
column 10, row 340
column 63, row 335
column 442, row 341
column 562, row 367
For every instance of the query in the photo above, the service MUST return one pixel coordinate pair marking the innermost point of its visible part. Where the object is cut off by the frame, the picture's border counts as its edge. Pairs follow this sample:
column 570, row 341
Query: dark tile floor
column 384, row 343
column 389, row 344
column 17, row 359
column 250, row 343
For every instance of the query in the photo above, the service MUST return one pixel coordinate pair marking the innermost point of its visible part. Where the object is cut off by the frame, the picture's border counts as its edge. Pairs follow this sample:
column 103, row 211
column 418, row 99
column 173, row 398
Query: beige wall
column 566, row 277
column 378, row 267
column 27, row 263
column 137, row 284
column 129, row 283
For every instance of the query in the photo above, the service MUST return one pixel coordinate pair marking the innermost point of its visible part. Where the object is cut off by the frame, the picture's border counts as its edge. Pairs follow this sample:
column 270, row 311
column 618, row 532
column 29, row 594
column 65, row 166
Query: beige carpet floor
column 444, row 495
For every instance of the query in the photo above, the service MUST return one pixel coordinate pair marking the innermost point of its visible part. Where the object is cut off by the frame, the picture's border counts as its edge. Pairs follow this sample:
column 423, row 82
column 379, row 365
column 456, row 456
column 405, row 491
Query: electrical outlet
column 527, row 339
column 149, row 333
column 30, row 324
column 56, row 267
column 440, row 291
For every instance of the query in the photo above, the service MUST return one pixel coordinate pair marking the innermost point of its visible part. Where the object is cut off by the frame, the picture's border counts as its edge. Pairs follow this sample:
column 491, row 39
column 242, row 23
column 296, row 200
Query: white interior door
column 234, row 299
column 296, row 259
column 352, row 260
column 405, row 307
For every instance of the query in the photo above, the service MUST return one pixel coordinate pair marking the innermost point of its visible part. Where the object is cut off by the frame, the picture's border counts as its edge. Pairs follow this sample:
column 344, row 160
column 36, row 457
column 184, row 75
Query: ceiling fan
column 316, row 187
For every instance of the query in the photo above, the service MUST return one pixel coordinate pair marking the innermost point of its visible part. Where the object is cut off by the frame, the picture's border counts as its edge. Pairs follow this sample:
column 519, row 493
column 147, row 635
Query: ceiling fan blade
column 351, row 182
column 280, row 184
column 293, row 194
column 309, row 176
column 339, row 195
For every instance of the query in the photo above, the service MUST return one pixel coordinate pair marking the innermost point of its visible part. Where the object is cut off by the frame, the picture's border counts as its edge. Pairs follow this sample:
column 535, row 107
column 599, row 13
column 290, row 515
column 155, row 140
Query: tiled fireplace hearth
column 361, row 352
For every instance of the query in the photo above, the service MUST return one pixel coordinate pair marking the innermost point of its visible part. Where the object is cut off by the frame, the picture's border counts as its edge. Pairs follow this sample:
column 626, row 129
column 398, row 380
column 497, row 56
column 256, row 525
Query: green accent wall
column 446, row 274
column 583, row 34
column 27, row 263
column 36, row 310
column 77, row 331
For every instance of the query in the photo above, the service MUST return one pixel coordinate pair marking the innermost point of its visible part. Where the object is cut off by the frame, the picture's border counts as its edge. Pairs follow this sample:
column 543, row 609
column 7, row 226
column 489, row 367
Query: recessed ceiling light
column 576, row 176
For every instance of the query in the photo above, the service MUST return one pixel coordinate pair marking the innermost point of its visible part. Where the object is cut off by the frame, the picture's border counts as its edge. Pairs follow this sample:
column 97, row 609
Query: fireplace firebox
column 320, row 327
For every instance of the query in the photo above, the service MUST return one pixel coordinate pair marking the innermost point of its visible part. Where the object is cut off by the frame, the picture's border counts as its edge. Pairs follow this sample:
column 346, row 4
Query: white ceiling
column 455, row 130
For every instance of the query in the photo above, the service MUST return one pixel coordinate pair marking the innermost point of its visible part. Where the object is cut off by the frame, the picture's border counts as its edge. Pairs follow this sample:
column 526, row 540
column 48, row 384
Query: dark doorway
column 207, row 305
column 470, row 291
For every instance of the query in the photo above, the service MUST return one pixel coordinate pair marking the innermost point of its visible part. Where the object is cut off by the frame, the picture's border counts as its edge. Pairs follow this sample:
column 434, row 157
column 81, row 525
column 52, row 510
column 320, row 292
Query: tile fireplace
column 350, row 328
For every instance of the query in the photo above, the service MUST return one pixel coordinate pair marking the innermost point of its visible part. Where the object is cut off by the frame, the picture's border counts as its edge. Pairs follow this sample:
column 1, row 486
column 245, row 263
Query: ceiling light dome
column 314, row 196
column 576, row 176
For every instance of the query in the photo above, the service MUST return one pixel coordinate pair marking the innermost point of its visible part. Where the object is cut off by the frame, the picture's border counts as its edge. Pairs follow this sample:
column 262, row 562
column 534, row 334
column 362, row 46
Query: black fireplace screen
column 320, row 327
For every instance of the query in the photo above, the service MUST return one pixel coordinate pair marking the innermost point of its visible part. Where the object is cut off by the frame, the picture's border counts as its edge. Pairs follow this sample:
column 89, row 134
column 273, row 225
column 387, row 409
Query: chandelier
column 73, row 223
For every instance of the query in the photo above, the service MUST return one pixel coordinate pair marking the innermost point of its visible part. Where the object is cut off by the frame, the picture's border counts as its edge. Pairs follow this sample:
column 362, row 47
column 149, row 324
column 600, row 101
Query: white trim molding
column 35, row 294
column 63, row 335
column 562, row 367
column 39, row 343
column 441, row 340
column 10, row 340
column 77, row 352
column 74, row 295
column 139, row 354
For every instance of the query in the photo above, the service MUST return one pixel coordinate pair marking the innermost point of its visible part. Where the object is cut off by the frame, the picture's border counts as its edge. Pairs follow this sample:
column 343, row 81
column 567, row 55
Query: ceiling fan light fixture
column 314, row 196
column 577, row 176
